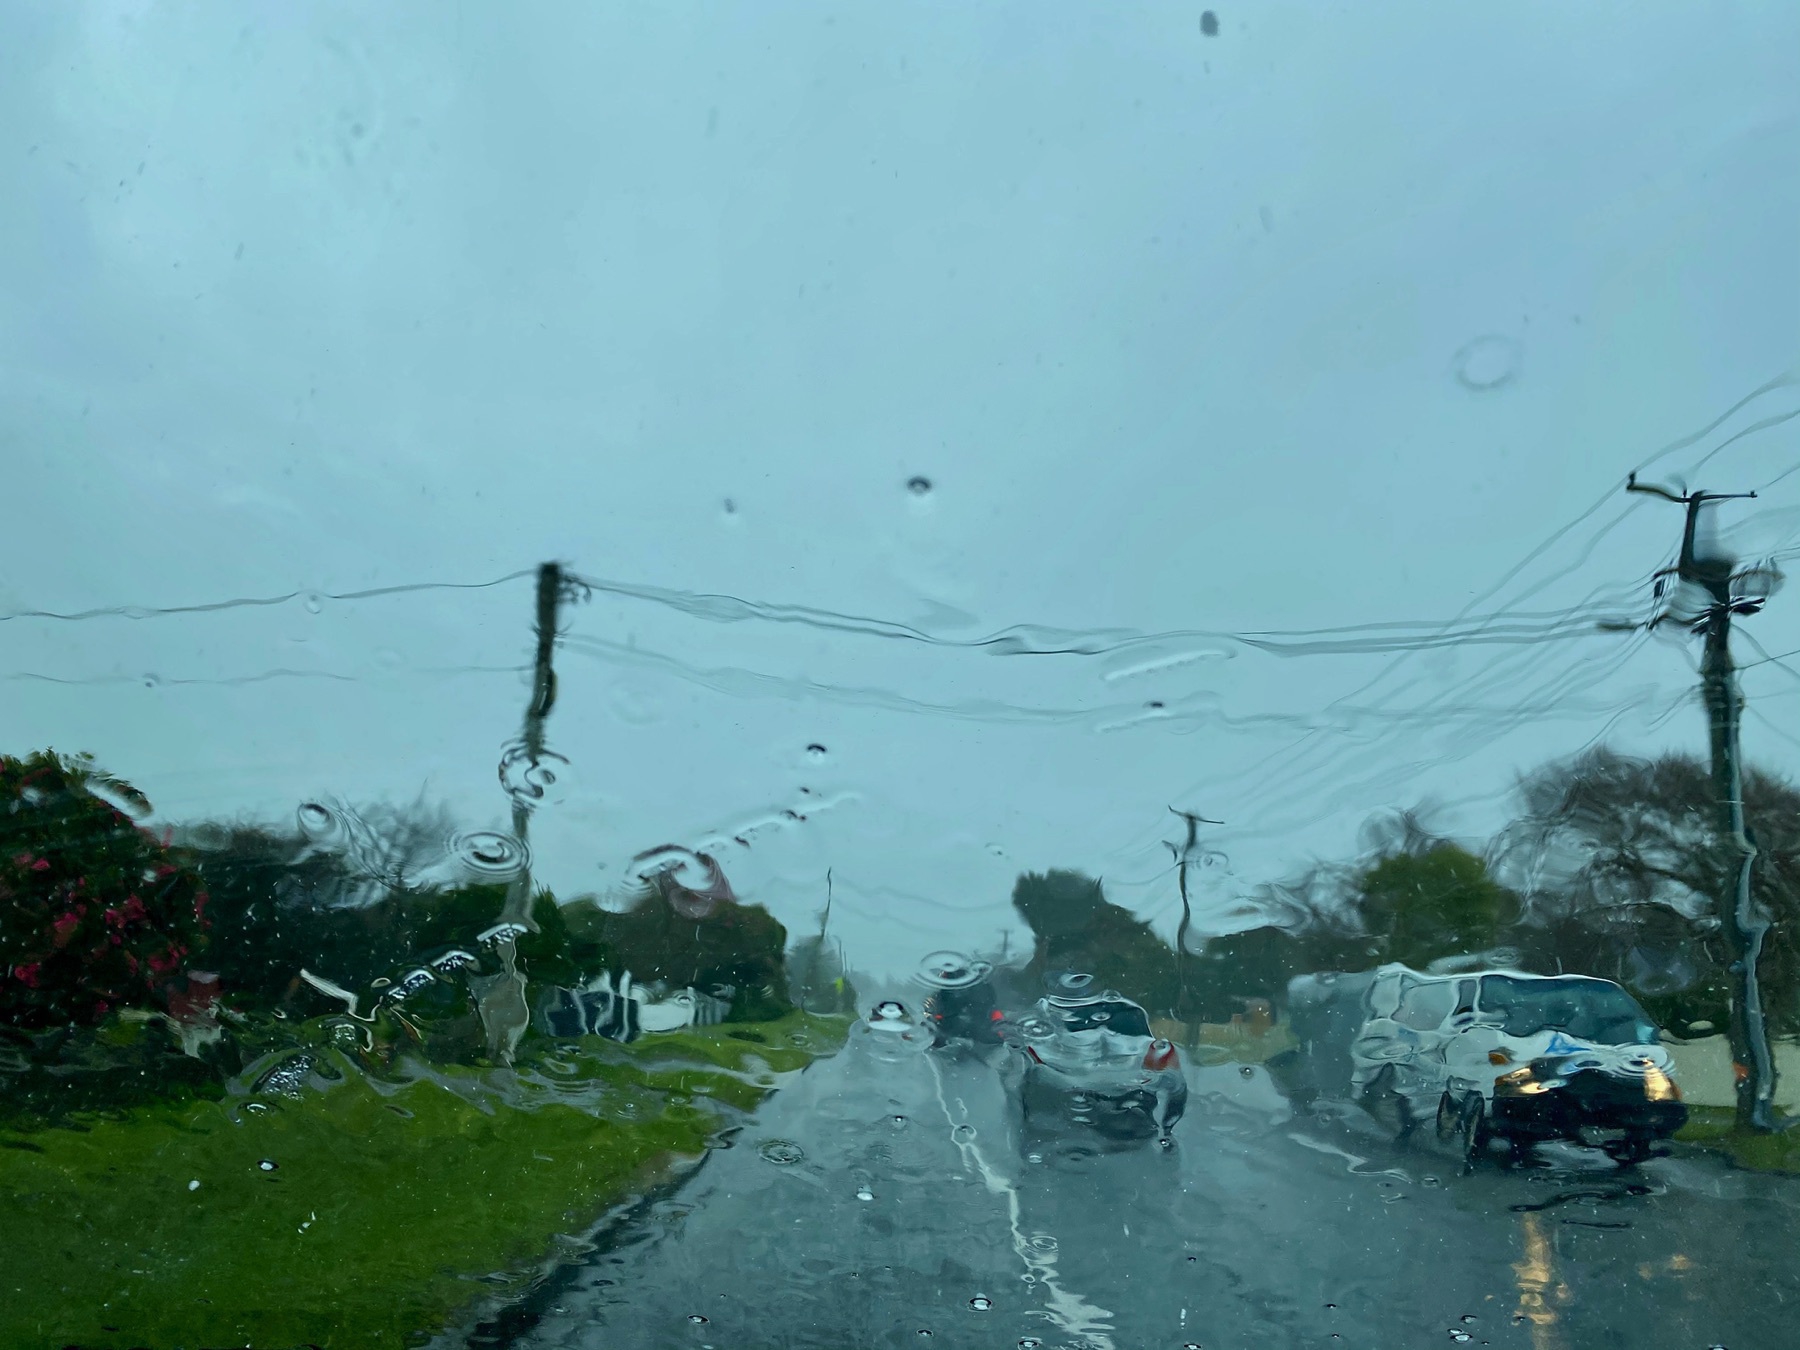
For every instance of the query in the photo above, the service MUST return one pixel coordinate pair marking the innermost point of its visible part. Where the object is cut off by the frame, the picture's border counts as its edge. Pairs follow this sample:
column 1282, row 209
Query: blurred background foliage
column 134, row 963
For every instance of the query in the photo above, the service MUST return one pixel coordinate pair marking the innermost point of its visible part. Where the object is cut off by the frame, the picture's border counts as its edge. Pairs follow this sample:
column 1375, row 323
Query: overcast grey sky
column 1329, row 319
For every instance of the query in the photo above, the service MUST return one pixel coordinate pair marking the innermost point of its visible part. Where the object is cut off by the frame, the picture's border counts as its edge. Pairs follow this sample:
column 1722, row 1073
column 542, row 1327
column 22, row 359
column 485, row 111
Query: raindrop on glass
column 317, row 821
column 267, row 1165
column 1467, row 1318
column 924, row 1331
column 1458, row 1335
column 1209, row 23
column 898, row 1122
column 488, row 853
column 528, row 776
column 1247, row 1072
column 864, row 1193
column 816, row 753
column 981, row 1303
column 962, row 1134
column 919, row 485
column 697, row 1319
column 1488, row 362
column 314, row 602
column 1029, row 1343
column 782, row 1152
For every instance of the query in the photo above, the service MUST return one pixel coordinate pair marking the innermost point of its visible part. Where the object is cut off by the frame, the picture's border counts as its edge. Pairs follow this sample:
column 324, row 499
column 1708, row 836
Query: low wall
column 1703, row 1071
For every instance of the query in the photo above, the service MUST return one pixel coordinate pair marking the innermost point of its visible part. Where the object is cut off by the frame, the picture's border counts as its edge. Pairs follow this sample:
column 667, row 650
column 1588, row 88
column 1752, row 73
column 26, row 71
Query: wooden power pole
column 500, row 998
column 1743, row 922
column 525, row 756
column 1183, row 855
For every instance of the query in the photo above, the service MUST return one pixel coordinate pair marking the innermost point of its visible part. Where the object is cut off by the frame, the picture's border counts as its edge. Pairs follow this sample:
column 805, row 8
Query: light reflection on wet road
column 915, row 1218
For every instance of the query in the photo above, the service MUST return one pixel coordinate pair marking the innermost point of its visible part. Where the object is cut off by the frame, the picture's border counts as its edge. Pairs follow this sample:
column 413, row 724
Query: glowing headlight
column 1520, row 1082
column 1659, row 1087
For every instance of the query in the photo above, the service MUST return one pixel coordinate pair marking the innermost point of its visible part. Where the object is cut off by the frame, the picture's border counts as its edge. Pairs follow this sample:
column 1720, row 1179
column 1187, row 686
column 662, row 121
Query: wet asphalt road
column 882, row 1200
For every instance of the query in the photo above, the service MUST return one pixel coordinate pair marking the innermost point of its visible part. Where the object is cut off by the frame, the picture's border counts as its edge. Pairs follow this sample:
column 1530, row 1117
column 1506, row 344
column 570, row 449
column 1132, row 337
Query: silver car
column 1490, row 1055
column 1090, row 1061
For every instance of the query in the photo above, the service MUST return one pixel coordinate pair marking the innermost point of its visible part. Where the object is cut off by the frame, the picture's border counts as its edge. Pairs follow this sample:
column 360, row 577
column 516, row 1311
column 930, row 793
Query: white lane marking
column 1358, row 1166
column 1064, row 1307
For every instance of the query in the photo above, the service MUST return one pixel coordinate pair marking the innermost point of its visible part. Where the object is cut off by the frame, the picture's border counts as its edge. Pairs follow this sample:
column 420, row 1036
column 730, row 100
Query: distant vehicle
column 1089, row 1060
column 1488, row 1055
column 962, row 1005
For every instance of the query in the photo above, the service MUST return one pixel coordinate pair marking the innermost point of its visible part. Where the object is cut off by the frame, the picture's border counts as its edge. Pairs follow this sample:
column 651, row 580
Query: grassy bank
column 360, row 1215
column 1713, row 1127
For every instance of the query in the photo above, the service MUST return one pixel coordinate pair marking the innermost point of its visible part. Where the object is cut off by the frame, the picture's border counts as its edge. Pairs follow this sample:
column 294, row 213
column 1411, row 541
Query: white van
column 1485, row 1055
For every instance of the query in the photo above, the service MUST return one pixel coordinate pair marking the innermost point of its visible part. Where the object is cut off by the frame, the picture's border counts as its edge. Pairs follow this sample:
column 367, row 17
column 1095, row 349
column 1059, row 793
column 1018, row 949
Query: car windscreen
column 1589, row 1010
column 1125, row 1019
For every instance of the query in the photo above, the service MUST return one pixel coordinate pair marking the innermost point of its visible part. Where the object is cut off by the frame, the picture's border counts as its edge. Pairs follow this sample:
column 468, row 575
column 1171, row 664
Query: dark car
column 962, row 1005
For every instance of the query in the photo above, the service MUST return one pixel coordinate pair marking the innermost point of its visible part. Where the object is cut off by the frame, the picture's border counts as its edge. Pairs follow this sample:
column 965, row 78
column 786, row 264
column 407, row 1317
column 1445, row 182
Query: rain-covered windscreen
column 801, row 674
column 1588, row 1010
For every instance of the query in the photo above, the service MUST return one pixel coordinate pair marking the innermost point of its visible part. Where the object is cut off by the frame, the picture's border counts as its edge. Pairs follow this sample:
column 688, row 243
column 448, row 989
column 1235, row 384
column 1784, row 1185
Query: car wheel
column 1629, row 1151
column 1449, row 1119
column 1383, row 1100
column 1472, row 1133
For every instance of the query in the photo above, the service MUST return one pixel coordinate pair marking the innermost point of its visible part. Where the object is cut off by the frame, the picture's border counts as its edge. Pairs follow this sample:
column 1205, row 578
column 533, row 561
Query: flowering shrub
column 95, row 911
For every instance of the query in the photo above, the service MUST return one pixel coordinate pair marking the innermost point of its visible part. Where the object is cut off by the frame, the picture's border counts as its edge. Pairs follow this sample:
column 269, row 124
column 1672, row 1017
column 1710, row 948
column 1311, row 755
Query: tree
column 1429, row 902
column 96, row 913
column 1619, row 862
column 1077, row 928
column 732, row 947
column 1255, row 963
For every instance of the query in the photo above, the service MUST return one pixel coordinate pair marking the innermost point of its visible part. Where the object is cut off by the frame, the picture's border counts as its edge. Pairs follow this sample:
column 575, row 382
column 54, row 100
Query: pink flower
column 27, row 975
column 41, row 865
column 65, row 926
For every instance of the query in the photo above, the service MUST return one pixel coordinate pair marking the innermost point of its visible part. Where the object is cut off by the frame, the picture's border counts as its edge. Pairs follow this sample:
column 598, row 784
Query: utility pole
column 521, row 766
column 500, row 998
column 1183, row 855
column 1744, row 924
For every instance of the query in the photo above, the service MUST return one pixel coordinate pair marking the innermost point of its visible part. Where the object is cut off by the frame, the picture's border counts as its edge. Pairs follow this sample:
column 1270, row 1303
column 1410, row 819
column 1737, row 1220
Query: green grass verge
column 1715, row 1128
column 388, row 1207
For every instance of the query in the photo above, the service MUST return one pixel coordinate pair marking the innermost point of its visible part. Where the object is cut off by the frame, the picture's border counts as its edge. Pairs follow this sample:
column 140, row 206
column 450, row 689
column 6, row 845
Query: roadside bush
column 96, row 913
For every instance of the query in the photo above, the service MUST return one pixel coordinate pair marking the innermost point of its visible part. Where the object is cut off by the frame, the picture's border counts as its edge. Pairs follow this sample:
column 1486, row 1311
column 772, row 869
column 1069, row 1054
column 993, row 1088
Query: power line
column 156, row 681
column 253, row 601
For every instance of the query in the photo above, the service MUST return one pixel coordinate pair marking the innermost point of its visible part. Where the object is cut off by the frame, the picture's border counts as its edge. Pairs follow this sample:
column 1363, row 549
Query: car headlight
column 1520, row 1083
column 1659, row 1087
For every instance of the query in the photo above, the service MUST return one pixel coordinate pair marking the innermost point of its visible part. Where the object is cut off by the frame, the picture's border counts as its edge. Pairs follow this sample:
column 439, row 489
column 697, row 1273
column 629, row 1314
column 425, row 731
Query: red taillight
column 1161, row 1055
column 996, row 1016
column 1033, row 1054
